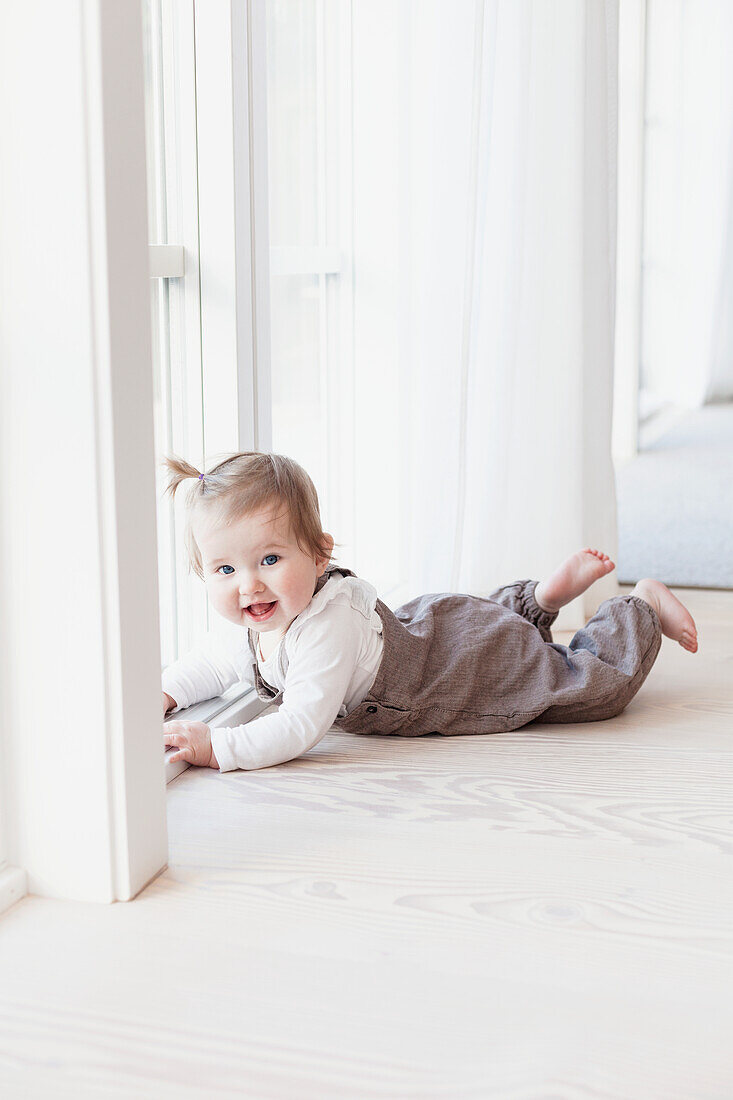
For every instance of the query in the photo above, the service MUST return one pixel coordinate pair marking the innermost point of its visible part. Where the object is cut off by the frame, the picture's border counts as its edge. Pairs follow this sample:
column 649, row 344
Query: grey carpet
column 675, row 505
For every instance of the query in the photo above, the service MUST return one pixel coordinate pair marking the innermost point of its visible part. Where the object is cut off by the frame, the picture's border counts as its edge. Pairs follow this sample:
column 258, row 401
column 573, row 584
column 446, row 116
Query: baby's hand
column 192, row 742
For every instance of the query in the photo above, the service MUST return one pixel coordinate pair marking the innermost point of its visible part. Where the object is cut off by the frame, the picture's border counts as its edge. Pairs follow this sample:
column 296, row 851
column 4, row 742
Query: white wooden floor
column 543, row 914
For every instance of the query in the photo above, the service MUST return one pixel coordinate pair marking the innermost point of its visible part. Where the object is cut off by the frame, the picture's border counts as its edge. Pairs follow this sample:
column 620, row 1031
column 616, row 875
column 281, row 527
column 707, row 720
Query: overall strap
column 263, row 689
column 330, row 570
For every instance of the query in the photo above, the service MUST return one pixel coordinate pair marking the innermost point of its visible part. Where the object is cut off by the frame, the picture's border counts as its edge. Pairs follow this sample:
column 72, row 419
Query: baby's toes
column 603, row 560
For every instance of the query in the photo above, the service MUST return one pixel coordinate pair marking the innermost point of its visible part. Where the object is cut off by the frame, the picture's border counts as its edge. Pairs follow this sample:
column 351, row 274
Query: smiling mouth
column 260, row 611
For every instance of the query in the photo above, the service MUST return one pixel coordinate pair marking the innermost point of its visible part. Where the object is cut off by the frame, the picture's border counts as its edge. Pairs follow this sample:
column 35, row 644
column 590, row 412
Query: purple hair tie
column 201, row 477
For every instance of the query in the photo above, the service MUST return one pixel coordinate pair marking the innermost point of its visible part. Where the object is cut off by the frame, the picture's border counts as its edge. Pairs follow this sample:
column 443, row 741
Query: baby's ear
column 328, row 539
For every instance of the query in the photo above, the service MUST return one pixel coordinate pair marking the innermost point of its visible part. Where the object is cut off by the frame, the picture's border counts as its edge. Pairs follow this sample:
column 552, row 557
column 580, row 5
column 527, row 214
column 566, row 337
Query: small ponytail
column 179, row 470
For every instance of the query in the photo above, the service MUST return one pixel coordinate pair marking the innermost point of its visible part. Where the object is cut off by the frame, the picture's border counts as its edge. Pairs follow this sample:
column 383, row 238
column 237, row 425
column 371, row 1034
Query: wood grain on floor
column 539, row 914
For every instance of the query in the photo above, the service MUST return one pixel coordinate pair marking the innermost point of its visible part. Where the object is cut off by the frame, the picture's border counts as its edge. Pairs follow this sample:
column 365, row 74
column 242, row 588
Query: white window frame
column 631, row 110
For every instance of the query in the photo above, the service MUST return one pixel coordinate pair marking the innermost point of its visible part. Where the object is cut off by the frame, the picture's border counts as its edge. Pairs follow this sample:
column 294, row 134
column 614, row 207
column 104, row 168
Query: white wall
column 79, row 680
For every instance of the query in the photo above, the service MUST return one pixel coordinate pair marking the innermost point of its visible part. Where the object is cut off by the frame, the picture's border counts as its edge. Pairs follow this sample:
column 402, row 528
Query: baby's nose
column 250, row 586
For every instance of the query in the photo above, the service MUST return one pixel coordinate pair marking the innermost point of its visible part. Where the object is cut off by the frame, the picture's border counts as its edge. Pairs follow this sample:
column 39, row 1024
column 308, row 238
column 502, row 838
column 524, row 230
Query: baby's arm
column 321, row 665
column 207, row 670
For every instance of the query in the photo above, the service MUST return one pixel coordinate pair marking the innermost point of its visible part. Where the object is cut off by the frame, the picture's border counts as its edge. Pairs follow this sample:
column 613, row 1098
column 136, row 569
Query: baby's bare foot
column 677, row 622
column 572, row 578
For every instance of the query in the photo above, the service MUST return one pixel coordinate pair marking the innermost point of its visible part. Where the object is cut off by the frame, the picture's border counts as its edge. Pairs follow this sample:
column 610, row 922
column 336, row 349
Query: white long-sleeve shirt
column 324, row 665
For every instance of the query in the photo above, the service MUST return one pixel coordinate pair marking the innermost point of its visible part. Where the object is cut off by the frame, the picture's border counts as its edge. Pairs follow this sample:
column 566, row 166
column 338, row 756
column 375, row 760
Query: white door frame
column 84, row 788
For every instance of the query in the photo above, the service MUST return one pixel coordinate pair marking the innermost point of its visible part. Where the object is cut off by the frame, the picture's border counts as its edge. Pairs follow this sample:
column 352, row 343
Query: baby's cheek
column 295, row 589
column 223, row 601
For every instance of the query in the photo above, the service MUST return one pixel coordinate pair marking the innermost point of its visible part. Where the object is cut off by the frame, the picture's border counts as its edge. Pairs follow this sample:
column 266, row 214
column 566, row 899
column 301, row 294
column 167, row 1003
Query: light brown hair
column 244, row 483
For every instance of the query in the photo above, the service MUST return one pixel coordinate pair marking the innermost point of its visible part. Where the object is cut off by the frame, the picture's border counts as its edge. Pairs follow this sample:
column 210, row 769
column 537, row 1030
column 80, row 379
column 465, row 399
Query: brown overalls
column 455, row 664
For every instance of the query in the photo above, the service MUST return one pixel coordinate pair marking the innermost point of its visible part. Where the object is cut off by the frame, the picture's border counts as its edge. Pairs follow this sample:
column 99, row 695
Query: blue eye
column 230, row 567
column 275, row 556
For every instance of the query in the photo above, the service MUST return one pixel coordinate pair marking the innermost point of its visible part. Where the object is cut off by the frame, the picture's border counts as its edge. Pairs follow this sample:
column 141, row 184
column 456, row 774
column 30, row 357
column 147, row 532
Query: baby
column 319, row 639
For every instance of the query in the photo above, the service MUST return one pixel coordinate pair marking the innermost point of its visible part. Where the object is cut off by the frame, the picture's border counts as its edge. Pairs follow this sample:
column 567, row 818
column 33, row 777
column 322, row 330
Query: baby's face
column 255, row 573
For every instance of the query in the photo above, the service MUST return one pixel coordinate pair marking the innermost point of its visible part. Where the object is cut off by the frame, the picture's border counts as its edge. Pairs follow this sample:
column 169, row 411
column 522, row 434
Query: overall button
column 371, row 710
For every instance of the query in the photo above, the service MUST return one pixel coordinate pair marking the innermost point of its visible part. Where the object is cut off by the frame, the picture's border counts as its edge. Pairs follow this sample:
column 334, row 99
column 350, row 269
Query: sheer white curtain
column 512, row 250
